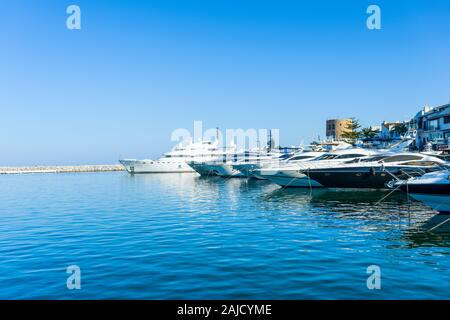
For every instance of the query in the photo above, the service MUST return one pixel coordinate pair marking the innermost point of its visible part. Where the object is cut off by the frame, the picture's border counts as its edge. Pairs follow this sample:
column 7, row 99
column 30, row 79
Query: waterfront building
column 387, row 133
column 336, row 127
column 376, row 128
column 392, row 131
column 433, row 127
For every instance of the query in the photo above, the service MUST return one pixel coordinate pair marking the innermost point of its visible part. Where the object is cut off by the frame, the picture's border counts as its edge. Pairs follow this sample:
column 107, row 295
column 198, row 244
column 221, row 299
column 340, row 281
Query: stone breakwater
column 61, row 169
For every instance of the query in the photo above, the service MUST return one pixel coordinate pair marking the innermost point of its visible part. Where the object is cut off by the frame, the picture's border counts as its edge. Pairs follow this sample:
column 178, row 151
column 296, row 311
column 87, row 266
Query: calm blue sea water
column 178, row 236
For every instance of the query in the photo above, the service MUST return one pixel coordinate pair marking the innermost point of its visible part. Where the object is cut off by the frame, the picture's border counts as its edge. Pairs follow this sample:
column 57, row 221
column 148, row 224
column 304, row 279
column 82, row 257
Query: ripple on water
column 179, row 236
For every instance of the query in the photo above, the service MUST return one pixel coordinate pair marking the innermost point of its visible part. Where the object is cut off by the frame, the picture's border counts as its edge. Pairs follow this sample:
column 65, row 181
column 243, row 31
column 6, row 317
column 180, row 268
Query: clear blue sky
column 139, row 69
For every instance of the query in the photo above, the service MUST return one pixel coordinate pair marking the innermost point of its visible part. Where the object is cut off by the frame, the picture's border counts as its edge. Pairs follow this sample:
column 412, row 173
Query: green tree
column 369, row 133
column 351, row 128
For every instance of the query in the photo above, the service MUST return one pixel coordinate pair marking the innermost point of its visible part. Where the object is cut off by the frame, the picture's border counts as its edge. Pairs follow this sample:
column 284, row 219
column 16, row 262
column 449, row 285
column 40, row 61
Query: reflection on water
column 350, row 203
column 181, row 236
column 434, row 232
column 393, row 214
column 420, row 224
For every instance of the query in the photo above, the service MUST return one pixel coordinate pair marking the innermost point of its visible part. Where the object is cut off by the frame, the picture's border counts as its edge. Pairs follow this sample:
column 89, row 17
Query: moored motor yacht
column 263, row 170
column 216, row 168
column 252, row 168
column 248, row 165
column 376, row 171
column 432, row 188
column 176, row 160
column 226, row 165
column 291, row 174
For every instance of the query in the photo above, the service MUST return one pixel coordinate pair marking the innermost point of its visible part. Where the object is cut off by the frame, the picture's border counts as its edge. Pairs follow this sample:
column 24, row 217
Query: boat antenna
column 269, row 143
column 217, row 134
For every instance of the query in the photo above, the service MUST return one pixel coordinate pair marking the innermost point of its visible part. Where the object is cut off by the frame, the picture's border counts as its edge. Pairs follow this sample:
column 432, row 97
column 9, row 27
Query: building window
column 447, row 119
column 433, row 124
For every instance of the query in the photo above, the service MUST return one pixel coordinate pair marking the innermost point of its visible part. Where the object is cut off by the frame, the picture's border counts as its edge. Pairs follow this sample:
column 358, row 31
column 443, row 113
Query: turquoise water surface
column 179, row 236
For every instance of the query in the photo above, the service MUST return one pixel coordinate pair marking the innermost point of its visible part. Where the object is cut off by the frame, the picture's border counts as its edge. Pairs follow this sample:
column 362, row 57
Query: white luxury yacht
column 251, row 167
column 375, row 172
column 176, row 160
column 253, row 170
column 291, row 173
column 247, row 165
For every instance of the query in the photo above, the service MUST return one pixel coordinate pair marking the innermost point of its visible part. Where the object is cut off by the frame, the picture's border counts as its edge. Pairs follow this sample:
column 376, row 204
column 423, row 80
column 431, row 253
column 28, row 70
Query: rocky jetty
column 61, row 169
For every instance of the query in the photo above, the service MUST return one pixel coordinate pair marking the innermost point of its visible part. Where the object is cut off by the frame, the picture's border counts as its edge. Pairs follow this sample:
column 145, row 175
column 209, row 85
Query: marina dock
column 61, row 169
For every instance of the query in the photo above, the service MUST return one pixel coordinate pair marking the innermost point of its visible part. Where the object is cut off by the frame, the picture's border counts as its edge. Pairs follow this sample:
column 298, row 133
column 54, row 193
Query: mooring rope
column 438, row 225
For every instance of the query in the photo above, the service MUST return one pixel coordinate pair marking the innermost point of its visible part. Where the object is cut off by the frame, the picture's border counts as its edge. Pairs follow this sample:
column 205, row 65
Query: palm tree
column 369, row 133
column 401, row 129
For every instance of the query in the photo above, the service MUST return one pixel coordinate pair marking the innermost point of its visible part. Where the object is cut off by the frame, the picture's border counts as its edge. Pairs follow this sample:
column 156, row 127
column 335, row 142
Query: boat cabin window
column 326, row 157
column 422, row 163
column 402, row 158
column 348, row 156
column 366, row 159
column 301, row 157
column 353, row 160
column 372, row 159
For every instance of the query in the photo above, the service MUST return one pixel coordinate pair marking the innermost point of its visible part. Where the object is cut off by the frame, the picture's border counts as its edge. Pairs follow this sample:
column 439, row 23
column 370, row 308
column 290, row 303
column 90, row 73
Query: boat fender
column 372, row 171
column 391, row 184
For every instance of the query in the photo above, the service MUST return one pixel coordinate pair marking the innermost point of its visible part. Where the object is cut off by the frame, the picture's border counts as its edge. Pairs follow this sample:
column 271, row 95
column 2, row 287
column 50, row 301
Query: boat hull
column 248, row 170
column 227, row 170
column 221, row 170
column 203, row 169
column 368, row 177
column 433, row 189
column 371, row 180
column 297, row 181
column 439, row 202
column 150, row 166
column 427, row 188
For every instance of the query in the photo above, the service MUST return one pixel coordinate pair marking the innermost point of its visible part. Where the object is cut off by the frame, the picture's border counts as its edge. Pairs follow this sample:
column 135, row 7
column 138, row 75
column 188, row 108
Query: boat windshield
column 367, row 159
column 325, row 157
column 372, row 159
column 422, row 163
column 351, row 155
column 399, row 158
column 300, row 158
column 285, row 156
